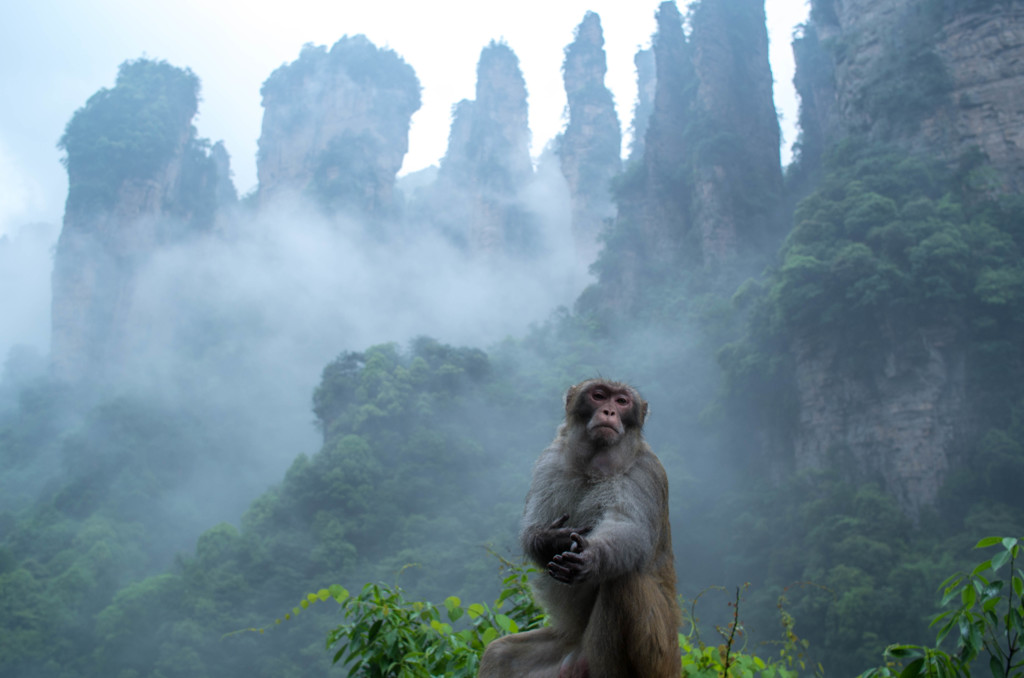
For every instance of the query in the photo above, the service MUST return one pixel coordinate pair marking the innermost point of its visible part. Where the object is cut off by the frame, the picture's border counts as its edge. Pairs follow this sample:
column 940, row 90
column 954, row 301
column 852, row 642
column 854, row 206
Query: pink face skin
column 610, row 407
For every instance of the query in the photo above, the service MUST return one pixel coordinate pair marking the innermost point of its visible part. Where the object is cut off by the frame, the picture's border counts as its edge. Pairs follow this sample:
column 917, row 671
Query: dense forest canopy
column 833, row 353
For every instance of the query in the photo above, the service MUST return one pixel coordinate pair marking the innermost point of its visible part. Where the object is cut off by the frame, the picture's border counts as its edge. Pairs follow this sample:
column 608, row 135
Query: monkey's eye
column 599, row 395
column 622, row 400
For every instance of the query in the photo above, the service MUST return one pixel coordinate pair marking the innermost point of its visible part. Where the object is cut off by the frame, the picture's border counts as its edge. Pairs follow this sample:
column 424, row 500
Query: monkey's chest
column 584, row 503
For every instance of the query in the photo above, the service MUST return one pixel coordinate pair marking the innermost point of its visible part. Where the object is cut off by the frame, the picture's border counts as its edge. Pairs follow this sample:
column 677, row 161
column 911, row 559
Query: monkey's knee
column 532, row 654
column 497, row 659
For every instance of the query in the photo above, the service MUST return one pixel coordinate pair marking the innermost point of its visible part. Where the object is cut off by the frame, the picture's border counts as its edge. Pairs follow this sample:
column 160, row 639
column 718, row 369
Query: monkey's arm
column 623, row 541
column 545, row 531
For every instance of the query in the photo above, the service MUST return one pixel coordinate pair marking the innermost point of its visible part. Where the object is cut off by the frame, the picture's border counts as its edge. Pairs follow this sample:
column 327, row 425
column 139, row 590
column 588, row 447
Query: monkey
column 596, row 522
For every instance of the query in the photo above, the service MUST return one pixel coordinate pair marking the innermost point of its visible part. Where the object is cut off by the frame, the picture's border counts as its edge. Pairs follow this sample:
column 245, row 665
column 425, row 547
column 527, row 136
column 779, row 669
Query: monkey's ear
column 570, row 398
column 643, row 412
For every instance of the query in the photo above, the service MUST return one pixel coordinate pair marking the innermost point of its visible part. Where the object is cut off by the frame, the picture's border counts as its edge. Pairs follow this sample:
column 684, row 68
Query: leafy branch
column 976, row 619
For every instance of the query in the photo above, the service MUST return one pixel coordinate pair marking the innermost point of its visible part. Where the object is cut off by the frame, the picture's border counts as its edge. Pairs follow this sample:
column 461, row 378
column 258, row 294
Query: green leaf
column 968, row 596
column 901, row 650
column 951, row 582
column 1009, row 543
column 913, row 668
column 1000, row 559
column 452, row 602
column 1015, row 621
column 374, row 630
column 506, row 623
column 981, row 567
column 323, row 594
column 992, row 590
column 992, row 618
column 988, row 541
column 475, row 610
column 996, row 668
column 304, row 604
column 944, row 631
column 974, row 640
column 1018, row 585
column 488, row 635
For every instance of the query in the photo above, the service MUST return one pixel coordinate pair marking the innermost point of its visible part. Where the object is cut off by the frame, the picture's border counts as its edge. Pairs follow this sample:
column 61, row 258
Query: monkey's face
column 611, row 411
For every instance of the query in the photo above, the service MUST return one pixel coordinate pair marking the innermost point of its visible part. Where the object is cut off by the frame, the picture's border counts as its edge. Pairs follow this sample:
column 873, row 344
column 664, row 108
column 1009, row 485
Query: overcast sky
column 56, row 53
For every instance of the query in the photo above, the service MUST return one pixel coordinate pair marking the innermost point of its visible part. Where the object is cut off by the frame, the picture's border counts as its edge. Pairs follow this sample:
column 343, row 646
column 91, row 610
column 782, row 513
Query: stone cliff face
column 591, row 146
column 738, row 172
column 138, row 179
column 701, row 196
column 897, row 419
column 943, row 78
column 713, row 113
column 336, row 126
column 946, row 80
column 477, row 200
column 646, row 85
column 984, row 54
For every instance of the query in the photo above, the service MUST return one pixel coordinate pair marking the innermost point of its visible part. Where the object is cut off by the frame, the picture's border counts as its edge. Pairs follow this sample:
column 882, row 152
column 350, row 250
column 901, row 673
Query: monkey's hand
column 547, row 542
column 575, row 565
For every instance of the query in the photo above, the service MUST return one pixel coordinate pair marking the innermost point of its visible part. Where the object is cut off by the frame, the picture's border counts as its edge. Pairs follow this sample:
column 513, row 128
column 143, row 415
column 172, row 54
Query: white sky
column 56, row 53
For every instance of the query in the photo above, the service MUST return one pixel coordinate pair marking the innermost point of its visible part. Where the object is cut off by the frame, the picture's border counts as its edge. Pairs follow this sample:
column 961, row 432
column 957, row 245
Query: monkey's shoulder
column 648, row 463
column 647, row 475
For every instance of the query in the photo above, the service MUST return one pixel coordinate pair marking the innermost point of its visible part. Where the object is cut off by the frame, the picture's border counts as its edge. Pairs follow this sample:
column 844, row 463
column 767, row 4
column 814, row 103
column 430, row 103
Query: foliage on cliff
column 359, row 59
column 130, row 131
column 887, row 244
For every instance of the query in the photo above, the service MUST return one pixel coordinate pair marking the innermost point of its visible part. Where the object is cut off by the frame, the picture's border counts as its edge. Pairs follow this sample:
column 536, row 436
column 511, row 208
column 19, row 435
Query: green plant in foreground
column 726, row 660
column 988, row 615
column 385, row 635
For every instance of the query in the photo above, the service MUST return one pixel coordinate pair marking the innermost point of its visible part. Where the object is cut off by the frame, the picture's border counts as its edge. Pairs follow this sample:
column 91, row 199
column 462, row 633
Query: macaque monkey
column 596, row 520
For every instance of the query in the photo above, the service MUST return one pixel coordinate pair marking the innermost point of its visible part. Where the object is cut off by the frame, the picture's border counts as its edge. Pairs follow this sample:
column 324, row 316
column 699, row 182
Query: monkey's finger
column 578, row 541
column 569, row 558
column 562, row 574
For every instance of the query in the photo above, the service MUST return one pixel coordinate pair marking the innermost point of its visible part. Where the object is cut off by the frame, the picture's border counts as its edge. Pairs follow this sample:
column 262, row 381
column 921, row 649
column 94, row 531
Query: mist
column 26, row 259
column 242, row 321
